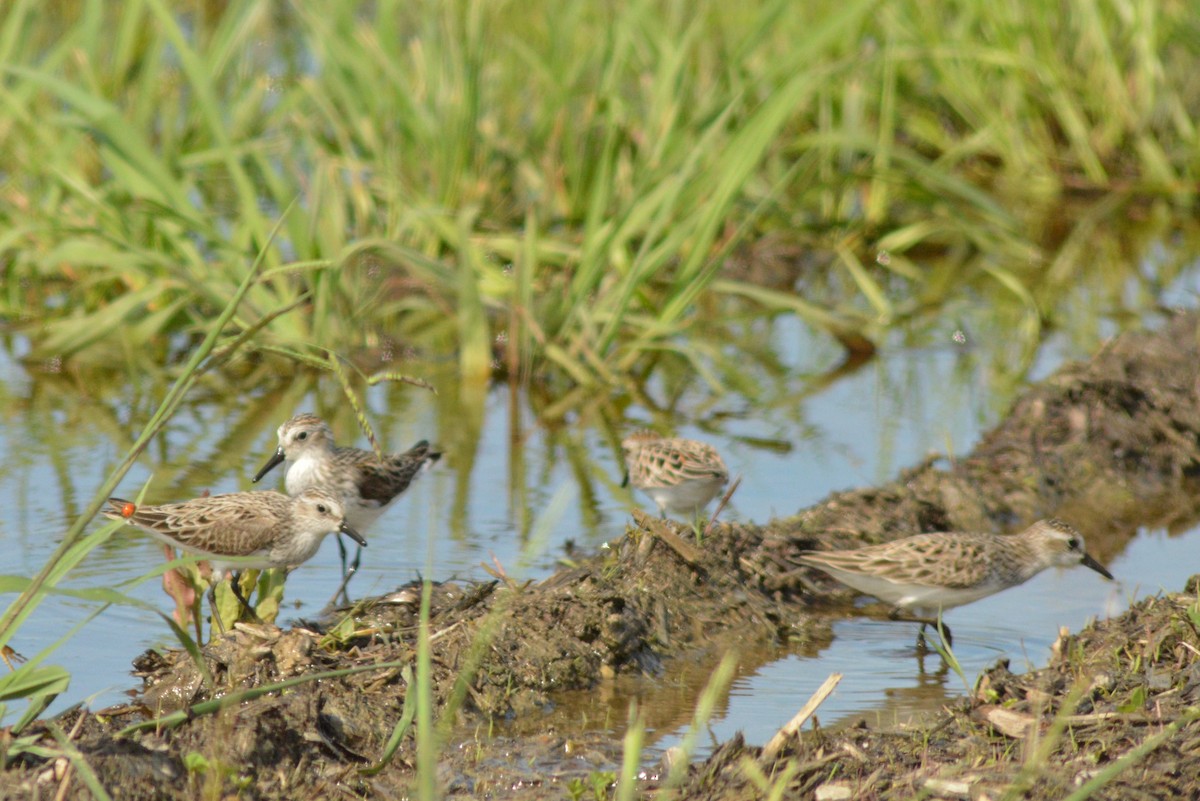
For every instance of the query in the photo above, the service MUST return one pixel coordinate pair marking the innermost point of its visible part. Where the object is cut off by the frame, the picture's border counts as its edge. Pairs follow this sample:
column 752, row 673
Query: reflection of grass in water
column 74, row 547
column 40, row 684
column 917, row 159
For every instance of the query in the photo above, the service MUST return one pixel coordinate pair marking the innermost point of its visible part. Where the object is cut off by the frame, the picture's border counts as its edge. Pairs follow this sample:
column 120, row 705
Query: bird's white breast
column 303, row 473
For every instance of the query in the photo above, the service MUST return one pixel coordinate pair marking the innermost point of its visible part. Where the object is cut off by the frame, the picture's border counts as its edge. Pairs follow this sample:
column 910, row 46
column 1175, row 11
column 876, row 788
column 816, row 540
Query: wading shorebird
column 242, row 529
column 680, row 475
column 366, row 485
column 926, row 574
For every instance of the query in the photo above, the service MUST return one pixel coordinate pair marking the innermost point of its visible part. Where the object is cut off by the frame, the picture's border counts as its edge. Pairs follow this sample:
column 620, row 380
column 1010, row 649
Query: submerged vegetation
column 561, row 189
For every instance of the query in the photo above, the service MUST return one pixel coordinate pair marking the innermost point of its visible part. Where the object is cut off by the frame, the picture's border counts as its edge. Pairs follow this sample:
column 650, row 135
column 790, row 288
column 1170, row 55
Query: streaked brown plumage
column 242, row 529
column 680, row 475
column 366, row 484
column 927, row 573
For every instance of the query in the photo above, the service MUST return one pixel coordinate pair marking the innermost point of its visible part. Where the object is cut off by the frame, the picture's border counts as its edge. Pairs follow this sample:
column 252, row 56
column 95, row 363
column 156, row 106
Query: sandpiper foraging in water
column 366, row 485
column 242, row 529
column 678, row 474
column 929, row 573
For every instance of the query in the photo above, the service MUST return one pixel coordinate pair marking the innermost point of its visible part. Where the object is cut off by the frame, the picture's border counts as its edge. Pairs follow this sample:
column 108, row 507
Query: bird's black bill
column 625, row 481
column 266, row 468
column 1088, row 561
column 352, row 534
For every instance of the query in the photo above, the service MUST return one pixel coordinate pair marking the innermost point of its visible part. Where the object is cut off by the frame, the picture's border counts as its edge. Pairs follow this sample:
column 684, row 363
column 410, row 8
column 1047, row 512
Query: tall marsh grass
column 557, row 188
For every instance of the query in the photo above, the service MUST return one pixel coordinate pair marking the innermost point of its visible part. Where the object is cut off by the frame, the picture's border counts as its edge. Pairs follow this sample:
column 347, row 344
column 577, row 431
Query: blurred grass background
column 572, row 190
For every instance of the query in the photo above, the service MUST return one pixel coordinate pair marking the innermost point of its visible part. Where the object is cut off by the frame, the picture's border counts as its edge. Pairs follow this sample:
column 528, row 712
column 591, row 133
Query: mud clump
column 1110, row 444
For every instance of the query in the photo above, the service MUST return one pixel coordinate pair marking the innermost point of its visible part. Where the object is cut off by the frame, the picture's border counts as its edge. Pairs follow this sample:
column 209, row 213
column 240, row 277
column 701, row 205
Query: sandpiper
column 929, row 573
column 242, row 529
column 680, row 475
column 366, row 485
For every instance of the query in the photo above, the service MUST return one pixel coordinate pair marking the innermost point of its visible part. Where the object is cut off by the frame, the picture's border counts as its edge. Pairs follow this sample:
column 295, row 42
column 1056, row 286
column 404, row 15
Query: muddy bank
column 1116, row 715
column 1109, row 444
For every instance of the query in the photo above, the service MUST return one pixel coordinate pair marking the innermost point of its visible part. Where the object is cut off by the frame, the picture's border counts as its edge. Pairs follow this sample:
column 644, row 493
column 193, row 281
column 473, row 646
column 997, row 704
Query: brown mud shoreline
column 1110, row 444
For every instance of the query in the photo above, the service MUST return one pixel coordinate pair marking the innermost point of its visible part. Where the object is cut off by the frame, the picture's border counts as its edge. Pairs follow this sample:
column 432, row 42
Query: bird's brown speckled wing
column 380, row 482
column 241, row 521
column 695, row 461
column 933, row 560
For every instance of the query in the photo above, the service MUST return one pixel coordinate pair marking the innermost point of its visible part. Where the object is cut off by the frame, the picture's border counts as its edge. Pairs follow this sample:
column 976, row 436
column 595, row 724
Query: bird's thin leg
column 347, row 574
column 212, row 603
column 342, row 554
column 348, row 571
column 941, row 628
column 944, row 631
column 354, row 566
column 235, row 582
column 936, row 623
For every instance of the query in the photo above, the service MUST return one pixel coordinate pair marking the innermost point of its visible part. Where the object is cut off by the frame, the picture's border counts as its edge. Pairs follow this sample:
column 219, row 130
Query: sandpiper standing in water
column 242, row 529
column 926, row 574
column 680, row 475
column 366, row 485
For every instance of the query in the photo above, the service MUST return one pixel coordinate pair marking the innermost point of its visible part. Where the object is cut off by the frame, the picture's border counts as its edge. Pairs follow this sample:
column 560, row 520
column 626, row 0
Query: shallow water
column 795, row 437
column 886, row 683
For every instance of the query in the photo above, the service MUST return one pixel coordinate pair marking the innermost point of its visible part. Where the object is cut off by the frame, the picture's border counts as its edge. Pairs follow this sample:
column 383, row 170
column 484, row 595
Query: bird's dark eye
column 321, row 508
column 1073, row 543
column 303, row 435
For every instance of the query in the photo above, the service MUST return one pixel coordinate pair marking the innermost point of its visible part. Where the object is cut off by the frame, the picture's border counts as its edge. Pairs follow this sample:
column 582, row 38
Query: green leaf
column 1136, row 702
column 40, row 684
column 401, row 728
column 195, row 762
